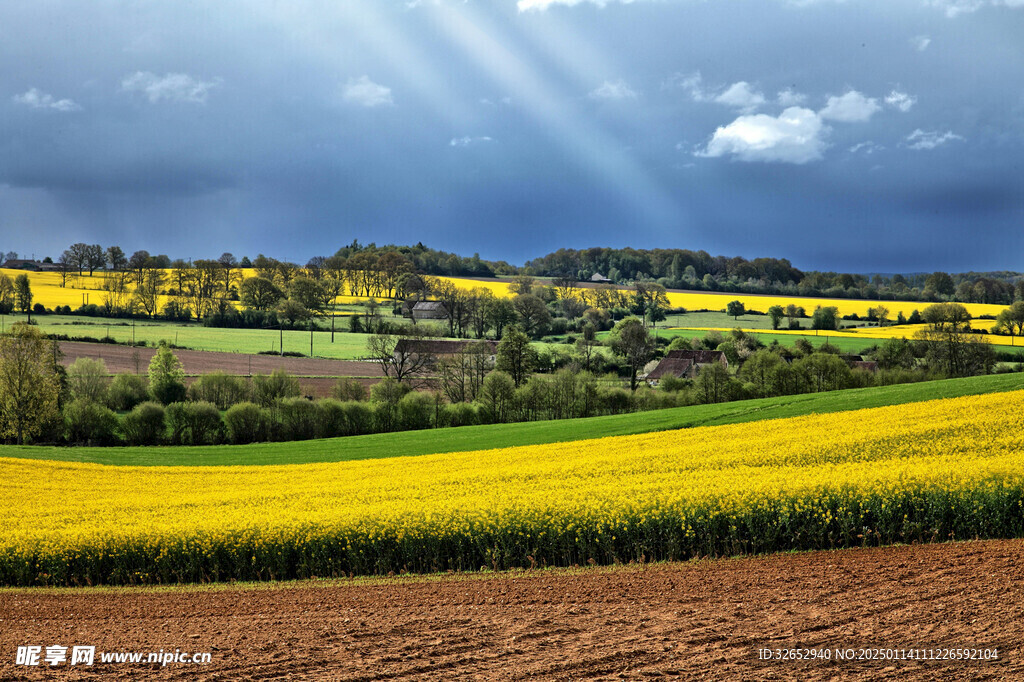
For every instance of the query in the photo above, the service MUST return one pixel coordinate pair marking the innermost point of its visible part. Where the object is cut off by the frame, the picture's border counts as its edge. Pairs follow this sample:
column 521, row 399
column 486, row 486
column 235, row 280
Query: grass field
column 532, row 433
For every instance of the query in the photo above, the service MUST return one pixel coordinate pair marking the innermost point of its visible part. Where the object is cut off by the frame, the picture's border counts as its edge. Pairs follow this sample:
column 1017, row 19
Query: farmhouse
column 429, row 310
column 686, row 364
column 435, row 349
column 27, row 264
column 598, row 278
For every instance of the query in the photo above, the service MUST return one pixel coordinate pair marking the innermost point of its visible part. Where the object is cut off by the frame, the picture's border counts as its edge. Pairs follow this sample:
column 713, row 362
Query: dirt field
column 701, row 621
column 195, row 362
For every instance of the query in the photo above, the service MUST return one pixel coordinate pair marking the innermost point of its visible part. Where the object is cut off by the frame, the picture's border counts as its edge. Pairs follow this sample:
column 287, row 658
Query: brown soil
column 704, row 620
column 123, row 359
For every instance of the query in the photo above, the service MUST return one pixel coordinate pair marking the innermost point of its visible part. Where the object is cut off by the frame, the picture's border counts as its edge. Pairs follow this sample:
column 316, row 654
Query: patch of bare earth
column 317, row 375
column 703, row 620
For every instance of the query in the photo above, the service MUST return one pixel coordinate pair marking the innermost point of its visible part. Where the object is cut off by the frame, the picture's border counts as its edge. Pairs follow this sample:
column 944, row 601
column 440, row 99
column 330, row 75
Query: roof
column 598, row 277
column 671, row 367
column 22, row 263
column 428, row 305
column 438, row 346
column 699, row 357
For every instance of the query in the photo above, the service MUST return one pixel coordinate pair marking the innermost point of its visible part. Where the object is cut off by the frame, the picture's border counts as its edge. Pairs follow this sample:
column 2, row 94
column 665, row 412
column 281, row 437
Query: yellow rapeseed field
column 924, row 471
column 46, row 289
column 903, row 331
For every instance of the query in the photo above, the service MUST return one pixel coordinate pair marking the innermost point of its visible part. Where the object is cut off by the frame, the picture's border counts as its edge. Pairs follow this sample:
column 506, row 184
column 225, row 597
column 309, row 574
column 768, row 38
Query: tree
column 228, row 265
column 78, row 253
column 94, row 257
column 951, row 346
column 500, row 314
column 1011, row 320
column 259, row 293
column 29, row 386
column 64, row 267
column 534, row 316
column 776, row 313
column 713, row 384
column 139, row 261
column 166, row 376
column 879, row 313
column 115, row 258
column 895, row 354
column 401, row 363
column 586, row 344
column 291, row 311
column 735, row 308
column 23, row 293
column 940, row 283
column 462, row 374
column 825, row 317
column 516, row 357
column 6, row 294
column 147, row 291
column 630, row 340
column 87, row 379
column 310, row 294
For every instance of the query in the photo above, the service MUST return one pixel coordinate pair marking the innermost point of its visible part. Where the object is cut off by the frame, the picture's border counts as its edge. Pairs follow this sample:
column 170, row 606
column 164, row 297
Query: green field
column 531, row 433
column 346, row 346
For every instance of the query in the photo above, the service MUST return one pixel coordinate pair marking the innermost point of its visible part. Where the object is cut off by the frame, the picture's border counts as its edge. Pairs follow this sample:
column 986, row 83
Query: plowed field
column 703, row 620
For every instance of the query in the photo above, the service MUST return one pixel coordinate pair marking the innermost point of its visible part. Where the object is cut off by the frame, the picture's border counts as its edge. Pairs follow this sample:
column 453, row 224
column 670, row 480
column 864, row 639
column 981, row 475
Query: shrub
column 87, row 379
column 348, row 388
column 126, row 391
column 194, row 423
column 166, row 377
column 462, row 414
column 330, row 418
column 248, row 423
column 144, row 425
column 266, row 390
column 298, row 418
column 86, row 421
column 223, row 390
column 415, row 411
column 359, row 417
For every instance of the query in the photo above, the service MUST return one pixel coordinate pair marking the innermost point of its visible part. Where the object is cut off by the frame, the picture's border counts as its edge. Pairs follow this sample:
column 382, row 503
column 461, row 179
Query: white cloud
column 692, row 83
column 541, row 5
column 900, row 100
column 790, row 98
column 364, row 92
column 795, row 136
column 741, row 96
column 955, row 8
column 466, row 141
column 853, row 107
column 866, row 148
column 920, row 43
column 613, row 90
column 919, row 139
column 37, row 99
column 175, row 87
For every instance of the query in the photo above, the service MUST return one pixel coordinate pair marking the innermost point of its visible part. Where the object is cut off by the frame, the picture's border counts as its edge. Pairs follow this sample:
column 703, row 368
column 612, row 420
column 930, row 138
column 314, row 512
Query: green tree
column 630, row 340
column 776, row 313
column 825, row 317
column 516, row 357
column 87, row 379
column 735, row 308
column 166, row 376
column 23, row 293
column 533, row 314
column 29, row 386
column 259, row 293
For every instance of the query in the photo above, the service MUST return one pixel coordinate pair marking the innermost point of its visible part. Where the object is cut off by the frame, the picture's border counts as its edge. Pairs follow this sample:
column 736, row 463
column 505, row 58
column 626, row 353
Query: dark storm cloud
column 848, row 136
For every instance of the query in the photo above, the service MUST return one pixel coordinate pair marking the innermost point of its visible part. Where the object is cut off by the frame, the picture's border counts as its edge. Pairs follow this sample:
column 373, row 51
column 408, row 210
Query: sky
column 855, row 136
